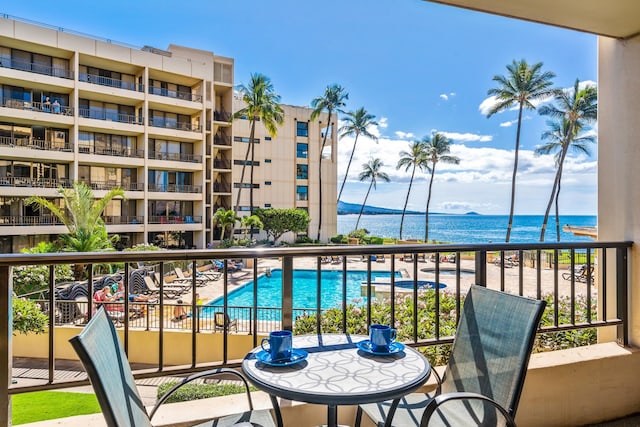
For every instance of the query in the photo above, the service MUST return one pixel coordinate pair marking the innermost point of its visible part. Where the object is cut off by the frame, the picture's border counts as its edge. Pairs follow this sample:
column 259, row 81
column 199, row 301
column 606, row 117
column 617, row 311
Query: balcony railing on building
column 172, row 124
column 220, row 187
column 20, row 181
column 174, row 219
column 187, row 96
column 221, row 116
column 111, row 184
column 112, row 116
column 17, row 220
column 35, row 67
column 43, row 107
column 122, row 219
column 175, row 188
column 178, row 157
column 221, row 164
column 222, row 140
column 113, row 151
column 34, row 143
column 108, row 81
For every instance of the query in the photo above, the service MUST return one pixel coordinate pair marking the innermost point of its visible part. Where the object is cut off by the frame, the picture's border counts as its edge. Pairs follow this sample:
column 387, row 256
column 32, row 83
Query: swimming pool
column 304, row 289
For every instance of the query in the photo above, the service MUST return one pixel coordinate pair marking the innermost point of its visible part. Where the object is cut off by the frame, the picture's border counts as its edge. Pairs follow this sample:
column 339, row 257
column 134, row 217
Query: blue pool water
column 304, row 289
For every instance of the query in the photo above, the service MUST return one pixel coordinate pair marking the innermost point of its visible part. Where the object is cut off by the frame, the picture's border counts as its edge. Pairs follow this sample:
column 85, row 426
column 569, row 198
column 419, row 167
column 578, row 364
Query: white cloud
column 444, row 96
column 383, row 122
column 487, row 104
column 507, row 124
column 467, row 137
column 404, row 135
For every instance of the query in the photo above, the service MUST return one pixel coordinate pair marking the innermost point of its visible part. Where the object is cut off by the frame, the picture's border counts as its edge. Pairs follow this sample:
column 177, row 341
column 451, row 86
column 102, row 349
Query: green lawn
column 48, row 405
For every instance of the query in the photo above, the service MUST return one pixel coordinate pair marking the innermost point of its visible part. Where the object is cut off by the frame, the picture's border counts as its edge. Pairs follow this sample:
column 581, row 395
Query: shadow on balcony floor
column 630, row 421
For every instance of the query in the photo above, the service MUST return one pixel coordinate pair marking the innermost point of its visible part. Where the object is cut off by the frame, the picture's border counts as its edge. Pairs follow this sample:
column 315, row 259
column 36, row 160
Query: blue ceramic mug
column 381, row 337
column 279, row 345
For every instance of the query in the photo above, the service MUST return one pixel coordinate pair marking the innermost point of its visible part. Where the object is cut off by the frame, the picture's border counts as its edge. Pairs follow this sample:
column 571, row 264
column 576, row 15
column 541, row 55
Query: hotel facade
column 156, row 123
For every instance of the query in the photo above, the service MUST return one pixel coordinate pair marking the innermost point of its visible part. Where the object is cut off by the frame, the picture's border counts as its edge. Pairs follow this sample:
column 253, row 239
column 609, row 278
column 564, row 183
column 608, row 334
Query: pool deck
column 214, row 289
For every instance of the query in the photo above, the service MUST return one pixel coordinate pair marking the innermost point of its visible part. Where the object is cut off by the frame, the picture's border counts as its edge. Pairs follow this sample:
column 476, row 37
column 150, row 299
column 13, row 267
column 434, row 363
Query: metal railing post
column 481, row 268
column 622, row 297
column 287, row 293
column 6, row 351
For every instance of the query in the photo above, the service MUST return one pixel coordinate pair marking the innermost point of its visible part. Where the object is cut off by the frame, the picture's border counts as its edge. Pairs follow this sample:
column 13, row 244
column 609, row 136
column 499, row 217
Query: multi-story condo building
column 287, row 166
column 156, row 123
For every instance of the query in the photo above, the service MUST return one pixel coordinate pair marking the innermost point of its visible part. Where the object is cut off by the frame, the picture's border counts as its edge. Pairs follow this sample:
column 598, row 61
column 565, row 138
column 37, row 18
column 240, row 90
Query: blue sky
column 419, row 67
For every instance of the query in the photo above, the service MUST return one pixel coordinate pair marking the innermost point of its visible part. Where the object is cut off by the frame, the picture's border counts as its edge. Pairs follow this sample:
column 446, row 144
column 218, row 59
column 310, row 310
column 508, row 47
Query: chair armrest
column 193, row 377
column 443, row 398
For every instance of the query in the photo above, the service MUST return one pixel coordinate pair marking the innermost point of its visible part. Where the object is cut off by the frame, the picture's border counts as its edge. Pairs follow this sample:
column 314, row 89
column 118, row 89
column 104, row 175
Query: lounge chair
column 486, row 370
column 108, row 369
column 181, row 278
column 223, row 322
column 380, row 258
column 581, row 274
column 170, row 291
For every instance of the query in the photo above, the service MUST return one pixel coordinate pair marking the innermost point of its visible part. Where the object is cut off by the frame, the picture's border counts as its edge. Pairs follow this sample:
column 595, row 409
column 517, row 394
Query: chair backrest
column 179, row 273
column 221, row 319
column 106, row 363
column 492, row 346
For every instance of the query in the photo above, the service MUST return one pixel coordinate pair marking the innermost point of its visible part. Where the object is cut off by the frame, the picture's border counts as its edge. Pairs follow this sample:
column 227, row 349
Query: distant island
column 345, row 208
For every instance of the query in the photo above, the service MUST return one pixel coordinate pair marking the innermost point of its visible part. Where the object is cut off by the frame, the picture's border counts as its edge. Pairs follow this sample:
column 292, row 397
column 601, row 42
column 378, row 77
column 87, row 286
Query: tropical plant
column 332, row 101
column 522, row 86
column 28, row 317
column 435, row 150
column 225, row 218
column 576, row 108
column 261, row 104
column 251, row 222
column 356, row 124
column 414, row 158
column 280, row 221
column 82, row 215
column 372, row 171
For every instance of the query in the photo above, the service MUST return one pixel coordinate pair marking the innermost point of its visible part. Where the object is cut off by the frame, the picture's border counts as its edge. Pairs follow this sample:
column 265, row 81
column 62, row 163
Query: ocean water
column 467, row 228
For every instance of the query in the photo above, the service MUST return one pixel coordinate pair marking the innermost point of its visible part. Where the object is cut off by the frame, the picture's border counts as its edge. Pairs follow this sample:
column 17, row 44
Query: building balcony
column 120, row 220
column 222, row 164
column 107, row 81
column 117, row 152
column 111, row 116
column 222, row 140
column 110, row 185
column 17, row 220
column 174, row 219
column 43, row 107
column 187, row 96
column 569, row 381
column 19, row 181
column 221, row 116
column 175, row 188
column 219, row 187
column 34, row 144
column 176, row 157
column 172, row 124
column 34, row 67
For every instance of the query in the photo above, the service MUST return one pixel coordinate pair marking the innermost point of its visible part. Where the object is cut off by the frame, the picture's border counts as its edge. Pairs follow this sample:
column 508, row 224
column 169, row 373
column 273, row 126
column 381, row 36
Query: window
column 247, row 163
column 302, row 150
column 302, row 171
column 267, row 160
column 302, row 192
column 245, row 185
column 267, row 183
column 267, row 205
column 245, row 139
column 302, row 128
column 267, row 138
column 244, row 208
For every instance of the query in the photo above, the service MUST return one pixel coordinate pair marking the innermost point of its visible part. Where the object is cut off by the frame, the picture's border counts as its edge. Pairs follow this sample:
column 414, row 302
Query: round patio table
column 336, row 373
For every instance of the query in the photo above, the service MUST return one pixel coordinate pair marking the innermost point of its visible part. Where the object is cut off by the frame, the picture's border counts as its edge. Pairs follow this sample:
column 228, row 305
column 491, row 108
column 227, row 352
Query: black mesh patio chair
column 104, row 359
column 483, row 380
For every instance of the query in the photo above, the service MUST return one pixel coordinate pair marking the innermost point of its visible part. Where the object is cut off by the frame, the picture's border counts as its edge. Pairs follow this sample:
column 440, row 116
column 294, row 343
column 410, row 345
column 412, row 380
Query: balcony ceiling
column 613, row 18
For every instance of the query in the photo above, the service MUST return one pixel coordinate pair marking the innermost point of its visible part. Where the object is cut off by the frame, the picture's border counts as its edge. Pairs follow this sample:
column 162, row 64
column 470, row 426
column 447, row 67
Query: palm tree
column 576, row 109
column 261, row 104
column 251, row 222
column 522, row 85
column 371, row 171
column 436, row 150
column 356, row 124
column 414, row 158
column 224, row 219
column 82, row 215
column 332, row 101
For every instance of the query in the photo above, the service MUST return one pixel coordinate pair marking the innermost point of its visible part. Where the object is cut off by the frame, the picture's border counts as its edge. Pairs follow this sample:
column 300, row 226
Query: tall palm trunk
column 244, row 165
column 346, row 174
column 515, row 171
column 554, row 193
column 406, row 200
column 363, row 204
column 426, row 215
column 558, row 213
column 253, row 150
column 324, row 141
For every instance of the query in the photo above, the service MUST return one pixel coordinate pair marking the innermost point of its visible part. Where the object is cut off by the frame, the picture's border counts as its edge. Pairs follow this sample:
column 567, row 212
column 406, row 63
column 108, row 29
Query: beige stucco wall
column 619, row 157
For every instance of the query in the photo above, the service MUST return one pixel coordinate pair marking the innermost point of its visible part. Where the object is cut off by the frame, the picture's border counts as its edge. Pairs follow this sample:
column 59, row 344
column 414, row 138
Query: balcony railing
column 546, row 271
column 109, row 185
column 117, row 152
column 108, row 81
column 43, row 107
column 172, row 124
column 118, row 220
column 187, row 96
column 178, row 157
column 221, row 164
column 175, row 188
column 221, row 116
column 219, row 187
column 35, row 67
column 111, row 116
column 19, row 181
column 34, row 143
column 222, row 140
column 29, row 220
column 174, row 219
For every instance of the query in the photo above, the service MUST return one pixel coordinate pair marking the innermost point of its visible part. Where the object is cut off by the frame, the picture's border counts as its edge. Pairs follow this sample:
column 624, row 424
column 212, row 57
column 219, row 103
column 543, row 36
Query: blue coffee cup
column 381, row 337
column 279, row 345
